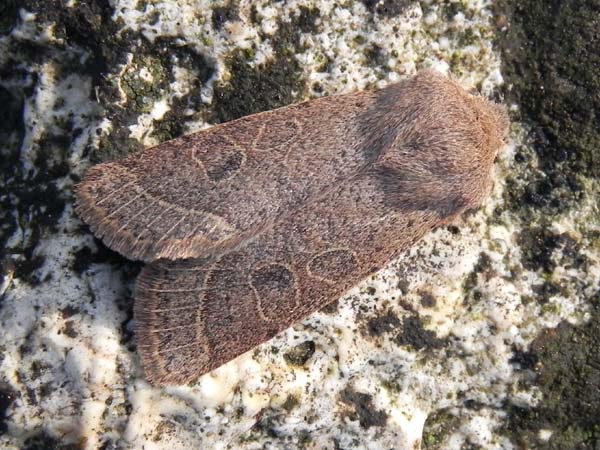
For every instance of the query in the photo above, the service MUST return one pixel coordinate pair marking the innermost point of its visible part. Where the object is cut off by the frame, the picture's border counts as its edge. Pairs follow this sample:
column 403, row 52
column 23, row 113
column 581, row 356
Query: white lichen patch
column 65, row 352
column 61, row 352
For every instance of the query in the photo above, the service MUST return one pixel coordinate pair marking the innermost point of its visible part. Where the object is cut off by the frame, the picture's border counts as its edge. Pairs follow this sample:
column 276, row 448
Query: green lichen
column 376, row 56
column 304, row 438
column 438, row 426
column 467, row 37
column 300, row 354
column 142, row 90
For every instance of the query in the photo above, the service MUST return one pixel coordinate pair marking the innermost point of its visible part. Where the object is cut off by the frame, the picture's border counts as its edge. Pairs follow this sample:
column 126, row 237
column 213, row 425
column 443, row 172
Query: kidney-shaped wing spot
column 226, row 154
column 272, row 284
column 334, row 265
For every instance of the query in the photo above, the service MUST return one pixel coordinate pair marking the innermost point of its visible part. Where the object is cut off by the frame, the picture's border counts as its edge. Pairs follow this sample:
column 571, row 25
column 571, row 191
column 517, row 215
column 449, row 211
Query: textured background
column 485, row 336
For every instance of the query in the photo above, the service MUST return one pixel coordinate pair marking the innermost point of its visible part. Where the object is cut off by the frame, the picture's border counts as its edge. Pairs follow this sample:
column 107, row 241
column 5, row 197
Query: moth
column 251, row 225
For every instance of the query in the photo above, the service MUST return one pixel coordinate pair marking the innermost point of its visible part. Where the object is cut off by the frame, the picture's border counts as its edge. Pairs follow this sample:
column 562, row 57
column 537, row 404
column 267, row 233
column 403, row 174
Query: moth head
column 494, row 122
column 491, row 119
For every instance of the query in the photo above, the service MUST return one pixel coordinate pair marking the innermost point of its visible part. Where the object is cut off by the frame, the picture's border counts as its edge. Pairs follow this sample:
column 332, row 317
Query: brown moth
column 251, row 225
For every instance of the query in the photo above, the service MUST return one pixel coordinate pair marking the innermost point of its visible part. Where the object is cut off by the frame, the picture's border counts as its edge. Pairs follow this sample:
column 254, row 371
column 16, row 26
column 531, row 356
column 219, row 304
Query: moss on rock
column 551, row 68
column 363, row 409
column 279, row 82
column 566, row 362
column 553, row 74
column 300, row 354
column 31, row 195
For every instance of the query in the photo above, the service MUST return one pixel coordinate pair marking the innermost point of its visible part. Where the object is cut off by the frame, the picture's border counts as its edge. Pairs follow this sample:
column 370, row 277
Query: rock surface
column 484, row 336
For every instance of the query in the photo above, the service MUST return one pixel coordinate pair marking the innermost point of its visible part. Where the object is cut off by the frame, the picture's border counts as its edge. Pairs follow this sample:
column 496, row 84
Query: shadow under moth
column 251, row 225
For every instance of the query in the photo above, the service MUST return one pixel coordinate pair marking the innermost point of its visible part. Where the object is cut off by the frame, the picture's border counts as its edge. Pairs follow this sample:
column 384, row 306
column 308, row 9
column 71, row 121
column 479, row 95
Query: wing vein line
column 172, row 228
column 148, row 225
column 124, row 205
column 116, row 191
column 179, row 347
column 179, row 327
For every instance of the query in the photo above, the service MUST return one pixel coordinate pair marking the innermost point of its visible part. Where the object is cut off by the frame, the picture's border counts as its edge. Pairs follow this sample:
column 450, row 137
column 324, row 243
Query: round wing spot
column 276, row 290
column 220, row 163
column 224, row 164
column 333, row 265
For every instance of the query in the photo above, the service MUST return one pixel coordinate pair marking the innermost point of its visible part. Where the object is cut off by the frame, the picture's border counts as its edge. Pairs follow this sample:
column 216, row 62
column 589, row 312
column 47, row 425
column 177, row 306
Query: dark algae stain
column 557, row 78
column 253, row 89
column 223, row 14
column 551, row 67
column 171, row 125
column 159, row 59
column 383, row 324
column 30, row 196
column 29, row 185
column 7, row 397
column 362, row 409
column 278, row 82
column 545, row 250
column 566, row 365
column 483, row 265
column 43, row 441
column 86, row 256
column 9, row 11
column 554, row 72
column 118, row 84
column 89, row 43
column 408, row 332
column 413, row 334
column 427, row 299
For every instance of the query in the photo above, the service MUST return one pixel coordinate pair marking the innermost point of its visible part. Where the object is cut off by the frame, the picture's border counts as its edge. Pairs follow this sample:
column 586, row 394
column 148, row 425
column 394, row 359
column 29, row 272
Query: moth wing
column 194, row 315
column 203, row 193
